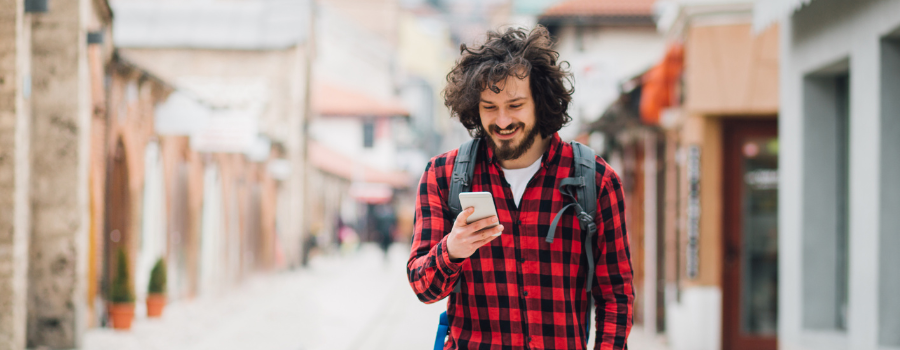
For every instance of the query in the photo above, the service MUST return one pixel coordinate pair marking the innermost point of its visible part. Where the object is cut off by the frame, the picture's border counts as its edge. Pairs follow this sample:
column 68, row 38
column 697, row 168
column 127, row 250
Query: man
column 516, row 290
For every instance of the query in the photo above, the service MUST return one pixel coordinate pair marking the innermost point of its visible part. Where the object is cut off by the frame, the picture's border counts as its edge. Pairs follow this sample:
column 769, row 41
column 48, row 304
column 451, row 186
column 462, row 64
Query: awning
column 338, row 164
column 660, row 84
column 371, row 193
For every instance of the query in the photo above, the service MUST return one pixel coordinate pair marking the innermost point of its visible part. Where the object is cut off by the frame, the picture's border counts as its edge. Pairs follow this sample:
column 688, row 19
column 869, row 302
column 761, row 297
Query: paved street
column 354, row 302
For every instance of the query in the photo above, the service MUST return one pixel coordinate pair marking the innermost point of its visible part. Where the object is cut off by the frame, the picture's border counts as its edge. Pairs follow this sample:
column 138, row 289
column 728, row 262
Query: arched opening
column 153, row 238
column 117, row 232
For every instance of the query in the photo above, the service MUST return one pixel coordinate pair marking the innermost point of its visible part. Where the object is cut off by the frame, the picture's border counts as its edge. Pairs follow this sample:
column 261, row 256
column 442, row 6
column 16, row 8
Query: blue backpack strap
column 443, row 331
column 584, row 199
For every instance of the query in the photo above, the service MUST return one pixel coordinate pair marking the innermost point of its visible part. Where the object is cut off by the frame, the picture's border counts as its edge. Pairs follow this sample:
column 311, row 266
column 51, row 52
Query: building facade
column 840, row 130
column 605, row 42
column 46, row 122
column 695, row 138
column 96, row 159
column 724, row 292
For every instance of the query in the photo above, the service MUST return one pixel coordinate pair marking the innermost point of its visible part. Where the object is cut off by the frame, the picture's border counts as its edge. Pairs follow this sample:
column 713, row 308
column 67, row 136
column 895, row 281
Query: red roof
column 601, row 8
column 328, row 99
column 333, row 162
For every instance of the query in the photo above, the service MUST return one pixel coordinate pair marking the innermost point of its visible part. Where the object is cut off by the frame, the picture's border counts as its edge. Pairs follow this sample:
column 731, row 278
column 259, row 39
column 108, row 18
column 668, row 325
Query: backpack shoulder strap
column 585, row 167
column 581, row 188
column 463, row 170
column 584, row 199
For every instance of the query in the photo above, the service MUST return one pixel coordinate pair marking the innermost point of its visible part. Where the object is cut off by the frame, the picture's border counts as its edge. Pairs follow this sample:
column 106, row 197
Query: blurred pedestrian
column 385, row 220
column 522, row 288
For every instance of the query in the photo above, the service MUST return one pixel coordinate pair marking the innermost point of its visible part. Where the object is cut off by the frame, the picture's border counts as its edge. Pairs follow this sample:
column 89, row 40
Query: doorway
column 750, row 230
column 117, row 235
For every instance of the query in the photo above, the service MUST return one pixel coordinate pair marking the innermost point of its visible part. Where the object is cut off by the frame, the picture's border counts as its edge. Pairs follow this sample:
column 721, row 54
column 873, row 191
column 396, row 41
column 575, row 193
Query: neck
column 530, row 156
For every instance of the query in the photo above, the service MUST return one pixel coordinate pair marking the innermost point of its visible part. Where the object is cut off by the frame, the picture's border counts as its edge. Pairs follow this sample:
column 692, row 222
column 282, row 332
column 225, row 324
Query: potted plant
column 156, row 292
column 121, row 295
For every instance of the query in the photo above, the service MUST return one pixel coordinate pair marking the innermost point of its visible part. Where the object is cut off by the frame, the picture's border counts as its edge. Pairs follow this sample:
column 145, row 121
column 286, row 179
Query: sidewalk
column 318, row 308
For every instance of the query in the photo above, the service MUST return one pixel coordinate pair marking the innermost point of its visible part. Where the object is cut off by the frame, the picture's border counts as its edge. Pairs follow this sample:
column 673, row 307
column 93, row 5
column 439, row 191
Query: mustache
column 497, row 129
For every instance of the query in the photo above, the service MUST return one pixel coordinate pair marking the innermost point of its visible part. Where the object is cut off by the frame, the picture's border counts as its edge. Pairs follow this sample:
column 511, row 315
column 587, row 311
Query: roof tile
column 601, row 8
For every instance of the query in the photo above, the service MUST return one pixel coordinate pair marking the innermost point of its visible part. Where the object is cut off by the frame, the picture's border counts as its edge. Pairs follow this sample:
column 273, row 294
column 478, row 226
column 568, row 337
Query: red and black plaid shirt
column 519, row 291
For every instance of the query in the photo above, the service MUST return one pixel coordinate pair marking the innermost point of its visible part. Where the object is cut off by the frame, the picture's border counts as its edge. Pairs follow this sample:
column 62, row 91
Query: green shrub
column 158, row 278
column 121, row 290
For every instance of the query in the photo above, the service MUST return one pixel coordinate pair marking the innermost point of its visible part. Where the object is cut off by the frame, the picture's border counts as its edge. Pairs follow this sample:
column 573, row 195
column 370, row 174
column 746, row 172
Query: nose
column 503, row 119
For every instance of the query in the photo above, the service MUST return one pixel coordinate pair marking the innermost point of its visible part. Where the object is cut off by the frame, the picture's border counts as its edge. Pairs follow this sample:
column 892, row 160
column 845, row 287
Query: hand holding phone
column 483, row 202
column 469, row 232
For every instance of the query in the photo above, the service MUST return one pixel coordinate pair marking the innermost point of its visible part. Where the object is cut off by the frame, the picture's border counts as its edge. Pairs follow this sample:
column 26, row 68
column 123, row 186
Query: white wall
column 153, row 224
column 819, row 35
column 349, row 56
column 212, row 234
column 695, row 323
column 345, row 135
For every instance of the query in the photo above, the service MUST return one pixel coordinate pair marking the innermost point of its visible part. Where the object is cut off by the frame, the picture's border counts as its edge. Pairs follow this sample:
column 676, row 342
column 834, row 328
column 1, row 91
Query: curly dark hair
column 512, row 53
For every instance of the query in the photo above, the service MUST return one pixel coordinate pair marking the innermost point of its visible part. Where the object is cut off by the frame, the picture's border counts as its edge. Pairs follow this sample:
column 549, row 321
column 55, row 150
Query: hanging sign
column 693, row 212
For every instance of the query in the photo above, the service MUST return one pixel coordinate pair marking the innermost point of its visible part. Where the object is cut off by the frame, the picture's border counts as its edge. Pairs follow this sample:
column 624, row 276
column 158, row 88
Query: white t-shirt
column 518, row 178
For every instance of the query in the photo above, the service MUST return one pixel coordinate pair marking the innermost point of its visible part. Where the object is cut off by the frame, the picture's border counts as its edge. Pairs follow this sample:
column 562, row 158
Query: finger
column 481, row 224
column 489, row 232
column 493, row 231
column 463, row 215
column 481, row 242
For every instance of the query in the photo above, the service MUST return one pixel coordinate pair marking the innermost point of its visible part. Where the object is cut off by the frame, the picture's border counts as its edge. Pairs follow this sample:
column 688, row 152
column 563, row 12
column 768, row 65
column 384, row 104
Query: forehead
column 510, row 89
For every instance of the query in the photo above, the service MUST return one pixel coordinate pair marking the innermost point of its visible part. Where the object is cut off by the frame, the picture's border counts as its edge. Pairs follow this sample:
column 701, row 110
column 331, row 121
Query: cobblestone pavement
column 360, row 301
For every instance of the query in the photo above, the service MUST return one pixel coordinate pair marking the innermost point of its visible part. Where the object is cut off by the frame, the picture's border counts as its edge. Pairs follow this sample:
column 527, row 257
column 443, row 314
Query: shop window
column 889, row 275
column 826, row 187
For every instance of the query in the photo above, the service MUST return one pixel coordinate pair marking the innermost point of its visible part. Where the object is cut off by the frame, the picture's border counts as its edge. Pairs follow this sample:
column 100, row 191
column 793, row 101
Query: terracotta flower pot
column 155, row 304
column 121, row 315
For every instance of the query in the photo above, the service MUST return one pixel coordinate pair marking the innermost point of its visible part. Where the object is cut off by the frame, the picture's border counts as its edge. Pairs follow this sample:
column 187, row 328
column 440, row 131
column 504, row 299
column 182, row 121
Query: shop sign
column 693, row 212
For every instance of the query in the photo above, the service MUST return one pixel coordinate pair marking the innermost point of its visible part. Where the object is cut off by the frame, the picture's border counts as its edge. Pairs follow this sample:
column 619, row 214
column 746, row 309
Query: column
column 59, row 168
column 14, row 167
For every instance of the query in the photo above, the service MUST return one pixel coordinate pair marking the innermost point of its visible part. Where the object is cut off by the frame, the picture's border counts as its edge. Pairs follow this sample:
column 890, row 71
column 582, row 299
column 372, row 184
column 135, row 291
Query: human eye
column 488, row 107
column 515, row 105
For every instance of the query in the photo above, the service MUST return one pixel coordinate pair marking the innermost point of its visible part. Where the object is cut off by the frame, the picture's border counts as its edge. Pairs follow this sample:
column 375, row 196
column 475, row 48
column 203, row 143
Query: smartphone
column 483, row 202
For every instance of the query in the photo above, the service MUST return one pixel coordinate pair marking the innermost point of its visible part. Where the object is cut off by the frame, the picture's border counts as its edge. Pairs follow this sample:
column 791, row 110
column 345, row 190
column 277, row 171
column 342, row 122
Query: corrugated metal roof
column 251, row 25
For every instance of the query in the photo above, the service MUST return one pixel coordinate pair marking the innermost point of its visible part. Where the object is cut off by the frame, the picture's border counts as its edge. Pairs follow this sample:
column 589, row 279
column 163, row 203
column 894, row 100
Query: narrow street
column 356, row 302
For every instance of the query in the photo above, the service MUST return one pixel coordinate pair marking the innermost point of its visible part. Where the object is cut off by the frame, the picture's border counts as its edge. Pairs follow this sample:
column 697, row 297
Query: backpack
column 581, row 189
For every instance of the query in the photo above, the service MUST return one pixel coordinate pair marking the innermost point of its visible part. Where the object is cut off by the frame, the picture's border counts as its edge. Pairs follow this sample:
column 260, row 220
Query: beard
column 505, row 150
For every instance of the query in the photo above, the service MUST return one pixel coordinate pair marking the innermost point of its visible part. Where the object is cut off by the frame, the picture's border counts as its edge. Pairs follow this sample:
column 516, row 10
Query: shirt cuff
column 447, row 265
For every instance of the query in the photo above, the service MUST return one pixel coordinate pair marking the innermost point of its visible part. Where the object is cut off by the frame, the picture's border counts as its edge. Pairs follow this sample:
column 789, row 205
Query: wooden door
column 750, row 230
column 118, row 216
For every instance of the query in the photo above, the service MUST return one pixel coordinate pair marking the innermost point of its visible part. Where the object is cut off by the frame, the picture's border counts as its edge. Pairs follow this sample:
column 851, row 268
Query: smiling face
column 508, row 118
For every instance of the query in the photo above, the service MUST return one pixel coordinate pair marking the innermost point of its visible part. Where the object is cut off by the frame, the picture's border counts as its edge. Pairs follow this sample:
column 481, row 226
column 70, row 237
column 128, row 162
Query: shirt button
column 526, row 293
column 522, row 259
column 518, row 222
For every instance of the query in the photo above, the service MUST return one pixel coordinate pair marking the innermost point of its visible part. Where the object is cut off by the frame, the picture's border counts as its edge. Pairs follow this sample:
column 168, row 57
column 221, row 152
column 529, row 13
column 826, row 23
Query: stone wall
column 14, row 172
column 60, row 135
